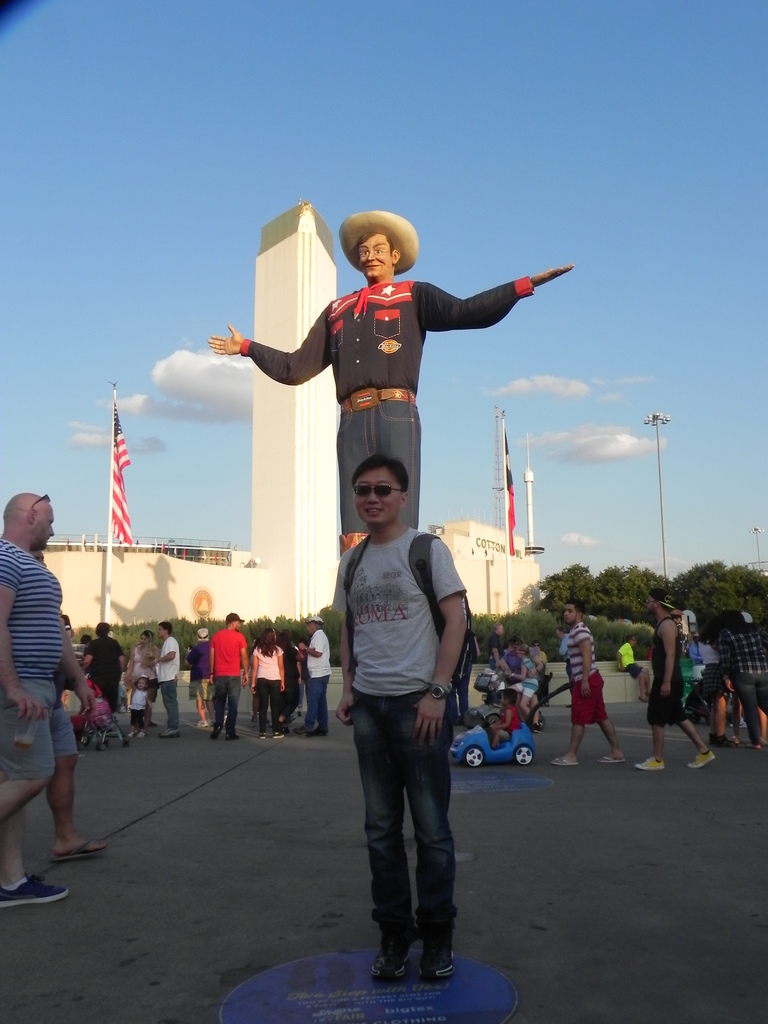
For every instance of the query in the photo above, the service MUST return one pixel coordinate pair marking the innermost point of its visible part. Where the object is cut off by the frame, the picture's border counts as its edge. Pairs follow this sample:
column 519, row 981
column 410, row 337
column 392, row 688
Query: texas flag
column 510, row 496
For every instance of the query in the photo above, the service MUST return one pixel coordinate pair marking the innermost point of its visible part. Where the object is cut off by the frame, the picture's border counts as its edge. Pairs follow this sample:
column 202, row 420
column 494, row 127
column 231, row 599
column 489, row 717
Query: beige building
column 480, row 554
column 149, row 586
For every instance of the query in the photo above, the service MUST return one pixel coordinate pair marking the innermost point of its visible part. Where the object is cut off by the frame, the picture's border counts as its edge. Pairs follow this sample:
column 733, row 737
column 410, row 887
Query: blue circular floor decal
column 338, row 987
column 482, row 780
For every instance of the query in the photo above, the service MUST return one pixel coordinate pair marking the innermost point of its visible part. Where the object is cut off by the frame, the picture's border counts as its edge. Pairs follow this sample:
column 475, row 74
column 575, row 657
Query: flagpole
column 508, row 545
column 111, row 507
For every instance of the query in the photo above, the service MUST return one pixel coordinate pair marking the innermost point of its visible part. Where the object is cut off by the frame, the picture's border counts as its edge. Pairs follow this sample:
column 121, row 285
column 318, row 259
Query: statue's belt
column 366, row 398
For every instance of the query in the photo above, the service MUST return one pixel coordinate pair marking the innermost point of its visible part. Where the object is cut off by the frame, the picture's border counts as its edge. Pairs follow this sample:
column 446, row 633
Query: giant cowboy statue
column 373, row 339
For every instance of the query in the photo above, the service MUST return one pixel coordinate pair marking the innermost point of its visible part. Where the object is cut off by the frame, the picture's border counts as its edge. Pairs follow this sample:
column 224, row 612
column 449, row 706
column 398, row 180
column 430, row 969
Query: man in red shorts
column 587, row 705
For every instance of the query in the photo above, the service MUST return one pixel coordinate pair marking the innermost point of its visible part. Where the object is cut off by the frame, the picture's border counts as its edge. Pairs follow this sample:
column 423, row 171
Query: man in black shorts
column 665, row 704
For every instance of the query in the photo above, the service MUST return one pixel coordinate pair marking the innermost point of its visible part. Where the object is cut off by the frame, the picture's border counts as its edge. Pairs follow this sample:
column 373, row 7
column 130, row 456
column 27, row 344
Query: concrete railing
column 620, row 687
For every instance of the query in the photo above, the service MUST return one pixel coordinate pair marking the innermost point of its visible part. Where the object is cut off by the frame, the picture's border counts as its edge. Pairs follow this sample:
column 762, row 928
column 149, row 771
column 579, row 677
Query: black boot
column 392, row 957
column 437, row 955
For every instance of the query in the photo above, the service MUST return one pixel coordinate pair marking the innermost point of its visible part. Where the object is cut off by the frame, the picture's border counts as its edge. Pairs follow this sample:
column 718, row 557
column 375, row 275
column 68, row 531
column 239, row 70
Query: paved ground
column 609, row 896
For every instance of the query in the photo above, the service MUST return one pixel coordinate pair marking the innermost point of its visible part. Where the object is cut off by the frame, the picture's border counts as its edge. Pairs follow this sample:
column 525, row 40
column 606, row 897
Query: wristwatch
column 440, row 692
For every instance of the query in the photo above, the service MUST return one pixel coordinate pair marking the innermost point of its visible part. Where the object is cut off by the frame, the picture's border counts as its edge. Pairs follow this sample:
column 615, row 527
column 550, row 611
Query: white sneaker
column 203, row 725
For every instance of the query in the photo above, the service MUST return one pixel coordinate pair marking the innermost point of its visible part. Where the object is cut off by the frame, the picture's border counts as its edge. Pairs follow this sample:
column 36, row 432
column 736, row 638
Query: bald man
column 32, row 643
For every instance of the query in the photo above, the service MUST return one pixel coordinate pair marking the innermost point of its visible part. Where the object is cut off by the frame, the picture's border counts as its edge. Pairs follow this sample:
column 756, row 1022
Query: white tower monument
column 531, row 548
column 294, row 489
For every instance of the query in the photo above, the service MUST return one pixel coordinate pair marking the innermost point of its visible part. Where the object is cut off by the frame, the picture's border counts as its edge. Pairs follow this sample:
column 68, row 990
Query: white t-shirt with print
column 395, row 643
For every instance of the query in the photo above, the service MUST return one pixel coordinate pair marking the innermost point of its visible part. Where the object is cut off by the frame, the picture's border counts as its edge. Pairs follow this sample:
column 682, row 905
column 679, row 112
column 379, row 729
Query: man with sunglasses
column 373, row 339
column 397, row 674
column 32, row 643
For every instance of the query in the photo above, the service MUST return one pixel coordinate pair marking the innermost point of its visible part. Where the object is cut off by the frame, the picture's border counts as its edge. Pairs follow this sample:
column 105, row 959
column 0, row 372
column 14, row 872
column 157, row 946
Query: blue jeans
column 392, row 427
column 317, row 703
column 752, row 690
column 171, row 702
column 392, row 763
column 226, row 690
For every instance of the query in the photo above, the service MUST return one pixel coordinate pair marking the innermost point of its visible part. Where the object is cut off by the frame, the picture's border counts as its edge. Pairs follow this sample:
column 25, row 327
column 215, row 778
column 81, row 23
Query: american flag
column 511, row 493
column 121, row 521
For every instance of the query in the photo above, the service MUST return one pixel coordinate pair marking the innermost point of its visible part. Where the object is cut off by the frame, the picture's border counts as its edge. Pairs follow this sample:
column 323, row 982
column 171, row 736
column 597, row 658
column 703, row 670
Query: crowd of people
column 278, row 672
column 402, row 735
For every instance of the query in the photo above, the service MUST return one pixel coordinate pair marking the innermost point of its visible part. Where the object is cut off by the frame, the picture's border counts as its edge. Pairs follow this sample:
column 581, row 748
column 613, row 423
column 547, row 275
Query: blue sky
column 145, row 144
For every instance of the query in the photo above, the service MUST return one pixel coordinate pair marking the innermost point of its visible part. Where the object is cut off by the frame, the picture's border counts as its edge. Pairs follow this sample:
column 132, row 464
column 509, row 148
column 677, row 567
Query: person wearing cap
column 200, row 686
column 665, row 703
column 229, row 672
column 373, row 339
column 319, row 667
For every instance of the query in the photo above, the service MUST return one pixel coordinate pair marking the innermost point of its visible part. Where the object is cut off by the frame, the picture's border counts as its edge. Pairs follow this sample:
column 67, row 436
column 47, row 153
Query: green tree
column 706, row 589
column 711, row 587
column 620, row 592
column 575, row 581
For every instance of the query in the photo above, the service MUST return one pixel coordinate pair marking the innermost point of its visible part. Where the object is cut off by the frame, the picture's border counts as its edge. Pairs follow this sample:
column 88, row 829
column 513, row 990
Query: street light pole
column 757, row 530
column 654, row 419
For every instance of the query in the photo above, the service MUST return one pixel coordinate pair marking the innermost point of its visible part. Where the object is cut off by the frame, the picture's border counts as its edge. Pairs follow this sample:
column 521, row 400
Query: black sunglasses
column 38, row 500
column 380, row 490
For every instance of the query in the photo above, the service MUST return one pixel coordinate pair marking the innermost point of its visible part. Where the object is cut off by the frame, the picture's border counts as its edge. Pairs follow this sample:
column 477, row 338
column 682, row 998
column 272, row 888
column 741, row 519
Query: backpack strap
column 419, row 555
column 349, row 574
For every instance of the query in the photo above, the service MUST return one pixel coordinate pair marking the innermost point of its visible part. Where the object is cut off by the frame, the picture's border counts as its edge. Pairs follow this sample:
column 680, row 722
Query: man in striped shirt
column 32, row 643
column 587, row 705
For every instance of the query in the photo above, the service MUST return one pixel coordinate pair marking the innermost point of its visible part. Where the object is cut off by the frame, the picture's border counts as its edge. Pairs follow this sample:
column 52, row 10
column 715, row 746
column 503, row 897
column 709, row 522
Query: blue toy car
column 474, row 748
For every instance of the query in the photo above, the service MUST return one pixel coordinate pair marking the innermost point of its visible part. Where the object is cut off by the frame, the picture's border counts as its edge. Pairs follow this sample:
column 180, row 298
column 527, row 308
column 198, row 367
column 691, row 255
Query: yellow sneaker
column 651, row 765
column 701, row 759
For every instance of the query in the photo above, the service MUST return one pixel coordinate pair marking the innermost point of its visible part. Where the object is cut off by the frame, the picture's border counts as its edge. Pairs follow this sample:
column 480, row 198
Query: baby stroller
column 98, row 724
column 695, row 706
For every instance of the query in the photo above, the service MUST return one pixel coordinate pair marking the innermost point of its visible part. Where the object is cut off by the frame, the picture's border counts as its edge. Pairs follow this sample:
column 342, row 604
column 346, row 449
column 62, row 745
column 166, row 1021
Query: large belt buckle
column 366, row 398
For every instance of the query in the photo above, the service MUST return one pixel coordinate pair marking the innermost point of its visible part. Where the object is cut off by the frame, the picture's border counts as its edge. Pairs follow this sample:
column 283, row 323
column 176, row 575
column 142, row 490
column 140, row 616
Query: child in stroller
column 98, row 724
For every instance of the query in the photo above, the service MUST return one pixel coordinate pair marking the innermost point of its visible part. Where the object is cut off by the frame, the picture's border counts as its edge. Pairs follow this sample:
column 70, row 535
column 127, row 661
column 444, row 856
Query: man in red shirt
column 229, row 672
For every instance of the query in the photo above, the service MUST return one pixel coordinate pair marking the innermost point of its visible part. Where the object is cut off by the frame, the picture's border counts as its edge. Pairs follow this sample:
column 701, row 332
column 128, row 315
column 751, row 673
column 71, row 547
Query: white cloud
column 93, row 437
column 204, row 385
column 674, row 565
column 633, row 380
column 96, row 437
column 560, row 387
column 196, row 386
column 193, row 386
column 593, row 443
column 611, row 396
column 579, row 540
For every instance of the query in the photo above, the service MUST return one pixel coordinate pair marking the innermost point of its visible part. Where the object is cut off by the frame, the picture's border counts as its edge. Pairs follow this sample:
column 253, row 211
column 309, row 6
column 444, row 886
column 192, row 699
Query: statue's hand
column 549, row 275
column 226, row 346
